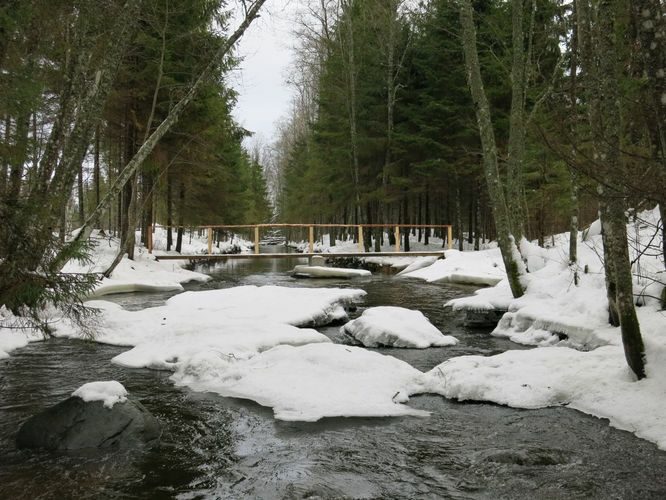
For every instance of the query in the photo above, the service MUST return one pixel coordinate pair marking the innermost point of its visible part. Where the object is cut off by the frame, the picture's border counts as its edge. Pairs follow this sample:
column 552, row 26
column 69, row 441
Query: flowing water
column 215, row 447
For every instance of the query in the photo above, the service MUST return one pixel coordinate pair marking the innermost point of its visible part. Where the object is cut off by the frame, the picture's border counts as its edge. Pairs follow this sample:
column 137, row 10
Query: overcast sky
column 260, row 80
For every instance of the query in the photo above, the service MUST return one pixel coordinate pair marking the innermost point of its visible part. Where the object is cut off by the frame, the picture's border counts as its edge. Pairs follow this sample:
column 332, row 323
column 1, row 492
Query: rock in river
column 84, row 422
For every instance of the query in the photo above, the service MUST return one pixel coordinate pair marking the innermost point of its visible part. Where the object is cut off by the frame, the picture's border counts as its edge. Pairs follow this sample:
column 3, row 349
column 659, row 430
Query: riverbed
column 215, row 447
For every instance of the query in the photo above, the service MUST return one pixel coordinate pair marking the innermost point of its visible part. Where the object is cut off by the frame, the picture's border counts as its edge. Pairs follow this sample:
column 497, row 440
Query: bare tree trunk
column 599, row 55
column 82, row 215
column 169, row 208
column 514, row 267
column 459, row 224
column 517, row 124
column 573, row 193
column 96, row 168
column 181, row 217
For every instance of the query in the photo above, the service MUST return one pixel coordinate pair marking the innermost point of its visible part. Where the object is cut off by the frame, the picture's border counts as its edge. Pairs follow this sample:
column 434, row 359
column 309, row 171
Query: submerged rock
column 76, row 424
column 483, row 318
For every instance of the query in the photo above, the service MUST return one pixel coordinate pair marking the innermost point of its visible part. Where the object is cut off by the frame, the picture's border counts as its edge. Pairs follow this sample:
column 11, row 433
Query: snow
column 418, row 263
column 110, row 392
column 290, row 305
column 597, row 382
column 313, row 381
column 143, row 274
column 484, row 267
column 10, row 340
column 328, row 272
column 587, row 370
column 396, row 327
column 235, row 323
column 14, row 337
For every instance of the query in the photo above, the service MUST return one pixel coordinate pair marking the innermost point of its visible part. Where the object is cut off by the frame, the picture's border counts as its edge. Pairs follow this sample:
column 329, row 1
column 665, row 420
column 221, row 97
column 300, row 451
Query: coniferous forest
column 462, row 202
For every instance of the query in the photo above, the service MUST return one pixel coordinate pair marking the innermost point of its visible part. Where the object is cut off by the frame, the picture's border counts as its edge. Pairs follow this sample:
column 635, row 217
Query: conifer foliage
column 114, row 115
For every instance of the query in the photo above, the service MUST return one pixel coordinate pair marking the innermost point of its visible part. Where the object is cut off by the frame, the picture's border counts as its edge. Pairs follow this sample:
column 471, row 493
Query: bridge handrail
column 311, row 227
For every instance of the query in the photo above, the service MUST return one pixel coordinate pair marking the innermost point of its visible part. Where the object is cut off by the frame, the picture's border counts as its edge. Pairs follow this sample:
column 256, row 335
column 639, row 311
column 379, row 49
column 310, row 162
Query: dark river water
column 214, row 447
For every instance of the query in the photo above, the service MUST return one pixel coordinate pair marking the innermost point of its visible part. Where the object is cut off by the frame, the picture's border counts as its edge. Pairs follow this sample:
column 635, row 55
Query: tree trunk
column 82, row 214
column 169, row 208
column 514, row 266
column 181, row 217
column 517, row 124
column 599, row 56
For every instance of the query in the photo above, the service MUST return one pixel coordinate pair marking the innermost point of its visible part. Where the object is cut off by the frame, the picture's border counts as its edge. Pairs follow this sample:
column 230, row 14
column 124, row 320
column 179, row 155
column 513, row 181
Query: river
column 215, row 447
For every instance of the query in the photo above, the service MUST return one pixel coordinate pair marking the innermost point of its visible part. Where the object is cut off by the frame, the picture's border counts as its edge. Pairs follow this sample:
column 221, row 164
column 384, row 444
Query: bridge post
column 149, row 238
column 256, row 239
column 311, row 239
column 397, row 238
column 449, row 236
column 361, row 245
column 210, row 241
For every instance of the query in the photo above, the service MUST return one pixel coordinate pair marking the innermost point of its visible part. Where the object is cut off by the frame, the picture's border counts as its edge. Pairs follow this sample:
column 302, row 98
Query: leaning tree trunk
column 514, row 266
column 148, row 146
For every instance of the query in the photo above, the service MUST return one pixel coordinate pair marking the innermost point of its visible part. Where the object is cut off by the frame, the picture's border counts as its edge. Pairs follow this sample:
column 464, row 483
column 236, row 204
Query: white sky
column 266, row 46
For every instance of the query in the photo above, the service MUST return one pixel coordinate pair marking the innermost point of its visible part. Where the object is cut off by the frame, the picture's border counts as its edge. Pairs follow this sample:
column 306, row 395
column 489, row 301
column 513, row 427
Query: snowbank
column 235, row 323
column 311, row 382
column 594, row 376
column 328, row 272
column 143, row 274
column 14, row 337
column 396, row 327
column 597, row 382
column 110, row 392
column 484, row 268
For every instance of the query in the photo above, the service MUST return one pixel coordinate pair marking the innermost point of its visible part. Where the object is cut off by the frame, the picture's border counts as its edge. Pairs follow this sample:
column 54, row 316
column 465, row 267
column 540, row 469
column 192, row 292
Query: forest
column 440, row 275
column 510, row 120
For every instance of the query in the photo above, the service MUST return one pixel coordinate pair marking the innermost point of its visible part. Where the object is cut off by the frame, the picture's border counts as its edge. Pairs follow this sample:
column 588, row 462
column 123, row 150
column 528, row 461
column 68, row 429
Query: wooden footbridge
column 257, row 230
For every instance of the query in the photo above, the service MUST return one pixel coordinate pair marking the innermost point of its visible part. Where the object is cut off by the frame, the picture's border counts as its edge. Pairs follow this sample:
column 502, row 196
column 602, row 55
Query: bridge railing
column 311, row 227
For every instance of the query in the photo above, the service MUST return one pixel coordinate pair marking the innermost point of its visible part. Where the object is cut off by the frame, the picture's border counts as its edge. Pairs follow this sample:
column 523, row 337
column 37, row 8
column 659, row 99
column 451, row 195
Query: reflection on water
column 228, row 448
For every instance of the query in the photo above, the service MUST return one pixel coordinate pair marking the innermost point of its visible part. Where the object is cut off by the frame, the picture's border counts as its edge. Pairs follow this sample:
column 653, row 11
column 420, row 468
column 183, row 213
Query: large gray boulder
column 76, row 424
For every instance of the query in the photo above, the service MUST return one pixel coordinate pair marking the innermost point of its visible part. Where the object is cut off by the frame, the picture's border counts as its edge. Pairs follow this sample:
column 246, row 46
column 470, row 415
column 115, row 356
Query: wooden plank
column 256, row 239
column 361, row 246
column 210, row 240
column 149, row 237
column 311, row 239
column 397, row 238
column 295, row 255
column 449, row 236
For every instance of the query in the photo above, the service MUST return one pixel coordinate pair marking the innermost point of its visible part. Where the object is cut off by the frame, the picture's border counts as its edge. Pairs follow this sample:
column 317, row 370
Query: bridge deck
column 298, row 255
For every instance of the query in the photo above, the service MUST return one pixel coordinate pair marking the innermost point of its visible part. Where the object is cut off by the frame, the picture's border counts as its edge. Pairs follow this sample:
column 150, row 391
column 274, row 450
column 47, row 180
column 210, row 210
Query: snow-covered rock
column 396, row 327
column 97, row 415
column 311, row 382
column 304, row 271
column 474, row 268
